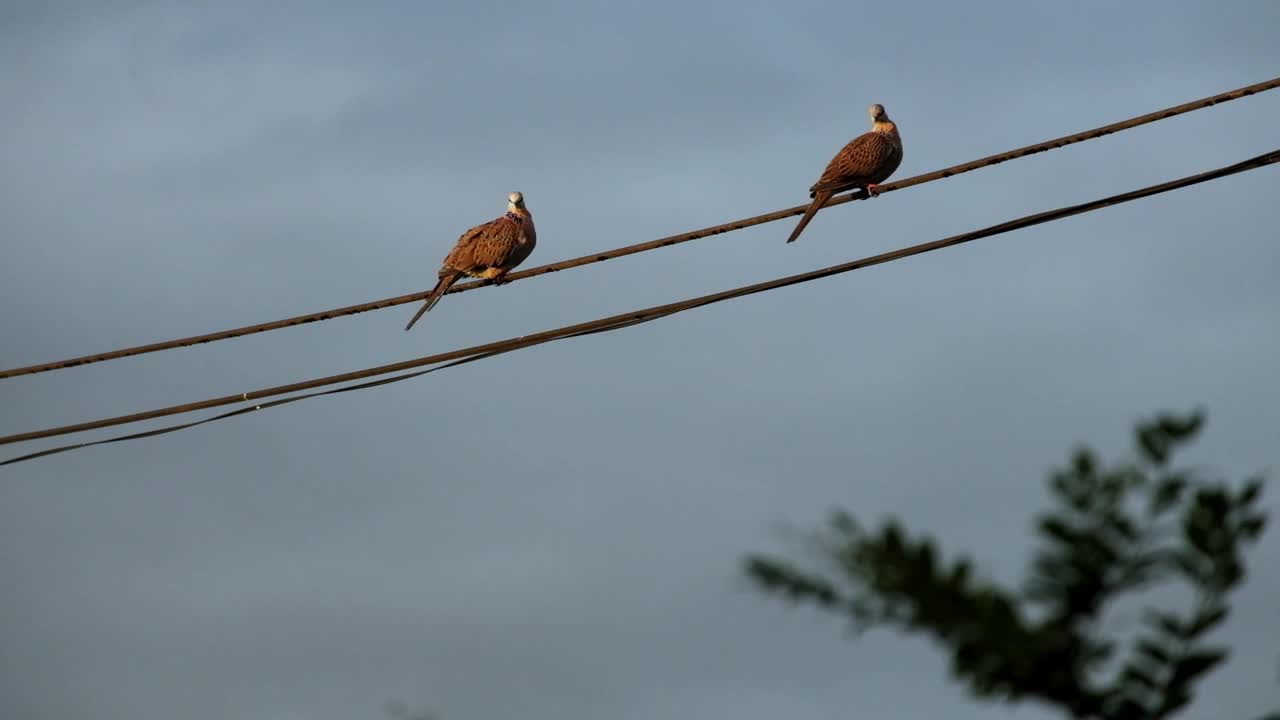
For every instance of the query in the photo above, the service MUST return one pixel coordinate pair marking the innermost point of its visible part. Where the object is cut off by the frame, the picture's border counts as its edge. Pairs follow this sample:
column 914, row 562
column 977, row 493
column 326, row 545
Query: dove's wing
column 867, row 160
column 493, row 245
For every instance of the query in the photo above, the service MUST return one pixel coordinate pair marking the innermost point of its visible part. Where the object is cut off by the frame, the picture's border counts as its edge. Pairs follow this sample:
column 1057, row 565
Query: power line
column 654, row 244
column 477, row 352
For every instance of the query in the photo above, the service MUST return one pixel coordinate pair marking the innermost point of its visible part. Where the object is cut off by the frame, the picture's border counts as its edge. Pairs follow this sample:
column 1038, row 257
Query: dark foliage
column 1112, row 531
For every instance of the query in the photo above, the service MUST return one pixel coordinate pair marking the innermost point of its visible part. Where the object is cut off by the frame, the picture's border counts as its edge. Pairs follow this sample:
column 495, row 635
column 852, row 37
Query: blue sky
column 557, row 532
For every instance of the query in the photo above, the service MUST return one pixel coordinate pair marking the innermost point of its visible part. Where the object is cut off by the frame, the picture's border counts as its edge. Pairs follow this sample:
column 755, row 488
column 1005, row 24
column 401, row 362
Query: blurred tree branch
column 1114, row 530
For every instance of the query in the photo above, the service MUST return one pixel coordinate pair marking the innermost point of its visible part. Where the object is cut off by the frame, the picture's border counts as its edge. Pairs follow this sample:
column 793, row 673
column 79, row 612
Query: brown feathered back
column 868, row 159
column 493, row 245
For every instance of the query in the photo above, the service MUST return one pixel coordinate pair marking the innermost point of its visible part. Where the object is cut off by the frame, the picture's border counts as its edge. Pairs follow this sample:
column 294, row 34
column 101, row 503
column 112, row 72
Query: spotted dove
column 866, row 161
column 486, row 251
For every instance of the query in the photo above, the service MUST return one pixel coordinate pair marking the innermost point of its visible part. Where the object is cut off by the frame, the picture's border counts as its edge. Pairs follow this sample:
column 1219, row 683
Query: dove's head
column 880, row 121
column 515, row 201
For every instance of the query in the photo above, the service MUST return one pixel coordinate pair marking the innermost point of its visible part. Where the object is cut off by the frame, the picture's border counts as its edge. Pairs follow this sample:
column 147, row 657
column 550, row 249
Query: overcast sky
column 557, row 533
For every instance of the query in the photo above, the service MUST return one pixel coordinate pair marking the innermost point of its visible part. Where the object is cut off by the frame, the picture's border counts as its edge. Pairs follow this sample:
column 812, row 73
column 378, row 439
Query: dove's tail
column 446, row 281
column 819, row 199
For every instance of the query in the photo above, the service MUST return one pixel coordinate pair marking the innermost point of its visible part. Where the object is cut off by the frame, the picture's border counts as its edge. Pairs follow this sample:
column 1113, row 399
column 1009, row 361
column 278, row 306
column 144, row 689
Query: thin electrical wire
column 653, row 244
column 614, row 322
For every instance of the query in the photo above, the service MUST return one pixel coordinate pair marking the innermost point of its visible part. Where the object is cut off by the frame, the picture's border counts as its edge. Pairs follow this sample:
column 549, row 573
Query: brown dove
column 486, row 251
column 866, row 161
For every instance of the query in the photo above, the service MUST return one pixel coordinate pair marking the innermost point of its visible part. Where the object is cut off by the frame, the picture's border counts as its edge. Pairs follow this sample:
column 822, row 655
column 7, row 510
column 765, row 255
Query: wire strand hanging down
column 456, row 357
column 653, row 244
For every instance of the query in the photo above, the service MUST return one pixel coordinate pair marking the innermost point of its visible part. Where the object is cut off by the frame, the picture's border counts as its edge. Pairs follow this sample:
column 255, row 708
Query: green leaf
column 1100, row 549
column 1194, row 664
column 1216, row 500
column 1153, row 444
column 1191, row 567
column 960, row 575
column 1128, row 708
column 1206, row 619
column 1055, row 528
column 1131, row 477
column 1060, row 482
column 1083, row 463
column 1121, row 526
column 1252, row 489
column 891, row 539
column 1165, row 622
column 927, row 557
column 1141, row 570
column 778, row 577
column 1175, row 698
column 1200, row 528
column 1180, row 430
column 1252, row 528
column 1154, row 651
column 1227, row 573
column 1167, row 494
column 1133, row 678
